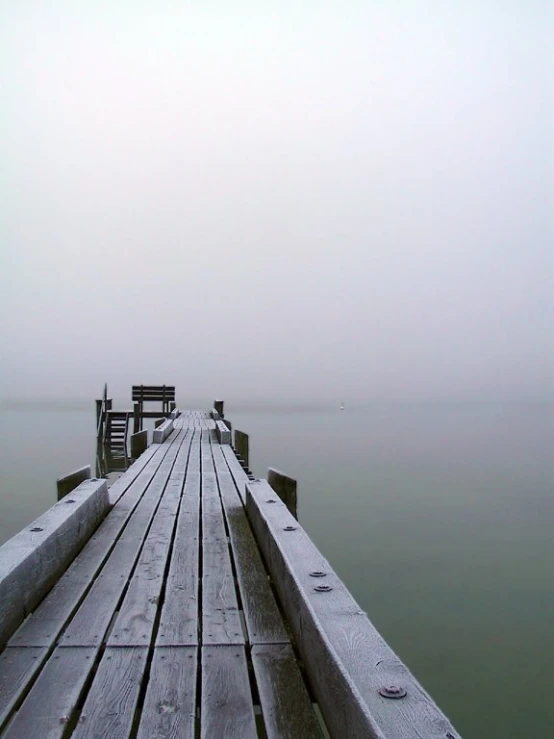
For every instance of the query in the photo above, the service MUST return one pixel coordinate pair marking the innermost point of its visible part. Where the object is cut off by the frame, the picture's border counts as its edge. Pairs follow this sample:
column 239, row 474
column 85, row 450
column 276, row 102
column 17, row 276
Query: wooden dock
column 187, row 601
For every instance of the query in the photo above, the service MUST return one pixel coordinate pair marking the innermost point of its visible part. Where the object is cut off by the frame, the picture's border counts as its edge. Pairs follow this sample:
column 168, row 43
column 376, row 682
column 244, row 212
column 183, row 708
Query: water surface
column 438, row 517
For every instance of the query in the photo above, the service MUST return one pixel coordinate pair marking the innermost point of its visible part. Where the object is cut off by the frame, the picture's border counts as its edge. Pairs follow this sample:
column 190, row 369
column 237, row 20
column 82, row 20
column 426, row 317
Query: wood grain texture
column 346, row 658
column 44, row 625
column 169, row 709
column 17, row 668
column 89, row 625
column 179, row 617
column 48, row 708
column 221, row 622
column 112, row 699
column 263, row 620
column 135, row 620
column 226, row 708
column 287, row 710
column 32, row 561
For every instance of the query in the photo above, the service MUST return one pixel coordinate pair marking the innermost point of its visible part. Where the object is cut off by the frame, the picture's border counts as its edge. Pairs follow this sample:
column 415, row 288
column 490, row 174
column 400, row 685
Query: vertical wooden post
column 139, row 443
column 218, row 406
column 242, row 447
column 285, row 487
column 136, row 418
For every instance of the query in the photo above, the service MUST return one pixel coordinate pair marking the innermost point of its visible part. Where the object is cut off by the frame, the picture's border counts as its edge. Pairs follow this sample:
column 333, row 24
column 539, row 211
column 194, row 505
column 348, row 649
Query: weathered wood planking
column 32, row 561
column 43, row 626
column 226, row 705
column 223, row 432
column 111, row 702
column 221, row 622
column 179, row 616
column 18, row 667
column 89, row 625
column 263, row 620
column 48, row 708
column 161, row 433
column 135, row 620
column 286, row 706
column 347, row 660
column 239, row 475
column 169, row 709
column 123, row 483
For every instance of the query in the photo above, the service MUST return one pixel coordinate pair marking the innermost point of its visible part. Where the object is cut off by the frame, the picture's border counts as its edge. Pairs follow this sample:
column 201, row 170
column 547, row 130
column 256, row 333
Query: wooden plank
column 123, row 483
column 226, row 708
column 48, row 708
column 89, row 625
column 135, row 621
column 179, row 617
column 32, row 561
column 223, row 432
column 239, row 475
column 111, row 702
column 169, row 709
column 286, row 706
column 263, row 620
column 45, row 624
column 220, row 613
column 17, row 669
column 72, row 480
column 347, row 660
column 161, row 433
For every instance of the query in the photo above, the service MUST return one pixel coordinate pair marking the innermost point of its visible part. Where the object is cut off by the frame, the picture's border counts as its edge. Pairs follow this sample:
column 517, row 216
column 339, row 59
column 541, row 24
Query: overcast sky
column 340, row 200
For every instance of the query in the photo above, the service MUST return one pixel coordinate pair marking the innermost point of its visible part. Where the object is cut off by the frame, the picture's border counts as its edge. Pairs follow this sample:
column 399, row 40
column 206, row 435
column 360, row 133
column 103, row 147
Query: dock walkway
column 199, row 607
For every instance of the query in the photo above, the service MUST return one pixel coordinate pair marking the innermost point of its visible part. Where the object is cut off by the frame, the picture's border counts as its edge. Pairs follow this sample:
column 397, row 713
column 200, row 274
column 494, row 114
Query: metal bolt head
column 289, row 528
column 392, row 691
column 318, row 573
column 323, row 588
column 271, row 500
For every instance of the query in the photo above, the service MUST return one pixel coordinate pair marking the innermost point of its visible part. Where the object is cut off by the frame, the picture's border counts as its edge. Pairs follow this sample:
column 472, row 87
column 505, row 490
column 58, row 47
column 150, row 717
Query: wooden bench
column 164, row 394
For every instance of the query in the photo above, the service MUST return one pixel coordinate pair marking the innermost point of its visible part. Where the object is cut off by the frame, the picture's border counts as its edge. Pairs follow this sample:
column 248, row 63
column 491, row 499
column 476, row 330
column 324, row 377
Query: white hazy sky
column 333, row 200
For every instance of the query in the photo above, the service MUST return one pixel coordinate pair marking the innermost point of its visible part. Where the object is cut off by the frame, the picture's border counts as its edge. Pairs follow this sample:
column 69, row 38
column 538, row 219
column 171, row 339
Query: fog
column 333, row 201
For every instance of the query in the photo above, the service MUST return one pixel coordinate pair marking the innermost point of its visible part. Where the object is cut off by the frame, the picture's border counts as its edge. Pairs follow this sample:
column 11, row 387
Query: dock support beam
column 242, row 447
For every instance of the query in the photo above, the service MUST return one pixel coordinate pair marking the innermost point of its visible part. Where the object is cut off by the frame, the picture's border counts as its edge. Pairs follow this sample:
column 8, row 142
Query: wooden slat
column 110, row 705
column 44, row 625
column 226, row 709
column 287, row 710
column 32, row 561
column 48, row 708
column 179, row 617
column 263, row 620
column 17, row 668
column 135, row 620
column 91, row 621
column 170, row 703
column 220, row 613
column 239, row 475
column 347, row 660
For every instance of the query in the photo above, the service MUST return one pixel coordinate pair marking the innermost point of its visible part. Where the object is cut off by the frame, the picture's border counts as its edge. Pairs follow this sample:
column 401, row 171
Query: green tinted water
column 438, row 517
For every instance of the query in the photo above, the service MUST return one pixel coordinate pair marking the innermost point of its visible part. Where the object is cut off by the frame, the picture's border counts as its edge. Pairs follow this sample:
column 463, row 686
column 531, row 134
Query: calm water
column 438, row 517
